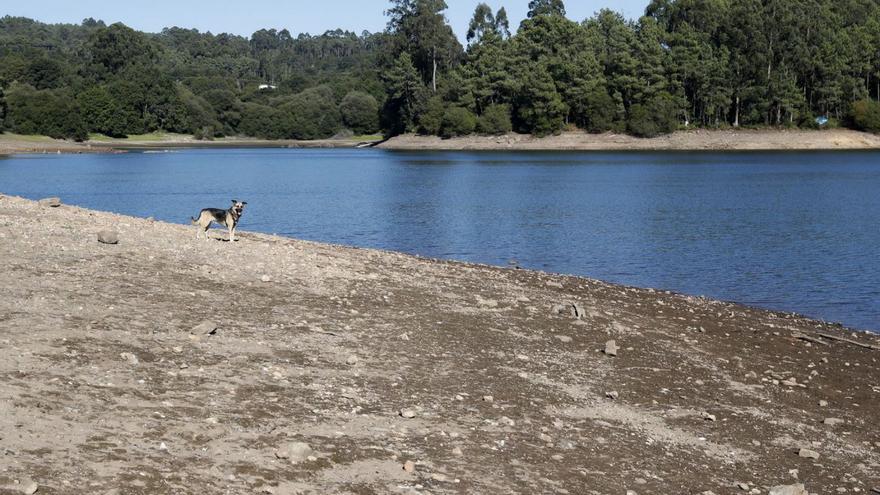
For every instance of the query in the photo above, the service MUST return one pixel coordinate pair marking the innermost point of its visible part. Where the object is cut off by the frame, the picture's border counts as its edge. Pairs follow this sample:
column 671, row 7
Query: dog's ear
column 234, row 201
column 244, row 202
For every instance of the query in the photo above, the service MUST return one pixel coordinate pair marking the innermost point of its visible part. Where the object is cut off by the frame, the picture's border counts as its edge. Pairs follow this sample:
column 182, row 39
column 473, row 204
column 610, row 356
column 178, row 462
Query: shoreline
column 216, row 361
column 694, row 140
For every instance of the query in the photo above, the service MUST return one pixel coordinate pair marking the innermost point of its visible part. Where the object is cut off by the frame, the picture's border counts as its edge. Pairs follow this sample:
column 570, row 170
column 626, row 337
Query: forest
column 683, row 64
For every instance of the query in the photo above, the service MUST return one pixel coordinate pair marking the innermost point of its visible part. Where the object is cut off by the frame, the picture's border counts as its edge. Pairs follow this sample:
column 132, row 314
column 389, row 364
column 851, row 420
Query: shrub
column 458, row 121
column 53, row 113
column 312, row 114
column 360, row 112
column 600, row 111
column 865, row 115
column 495, row 120
column 431, row 119
column 656, row 117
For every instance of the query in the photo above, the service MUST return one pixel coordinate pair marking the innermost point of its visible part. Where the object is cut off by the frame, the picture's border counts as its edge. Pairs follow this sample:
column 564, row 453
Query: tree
column 546, row 7
column 360, row 112
column 457, row 121
column 486, row 24
column 47, row 112
column 406, row 96
column 495, row 120
column 420, row 29
column 655, row 117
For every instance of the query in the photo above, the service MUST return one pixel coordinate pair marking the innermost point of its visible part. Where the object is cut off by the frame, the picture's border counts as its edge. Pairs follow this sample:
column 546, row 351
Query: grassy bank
column 166, row 365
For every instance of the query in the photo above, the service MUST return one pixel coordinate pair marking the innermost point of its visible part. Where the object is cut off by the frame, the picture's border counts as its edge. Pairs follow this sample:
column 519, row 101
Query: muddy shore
column 165, row 365
column 697, row 140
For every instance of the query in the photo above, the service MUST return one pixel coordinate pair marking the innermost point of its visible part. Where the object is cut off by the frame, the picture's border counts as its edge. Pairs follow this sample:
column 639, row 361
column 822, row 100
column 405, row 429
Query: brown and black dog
column 228, row 218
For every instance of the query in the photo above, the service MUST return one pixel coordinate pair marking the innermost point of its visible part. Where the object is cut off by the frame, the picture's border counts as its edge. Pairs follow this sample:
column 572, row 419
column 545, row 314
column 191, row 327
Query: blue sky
column 295, row 15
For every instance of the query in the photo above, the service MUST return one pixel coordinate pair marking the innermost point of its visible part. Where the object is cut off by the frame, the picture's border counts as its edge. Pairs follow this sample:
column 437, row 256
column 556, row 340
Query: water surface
column 788, row 231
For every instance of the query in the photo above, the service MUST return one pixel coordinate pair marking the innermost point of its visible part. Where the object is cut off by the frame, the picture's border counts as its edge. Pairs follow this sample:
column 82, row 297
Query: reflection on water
column 789, row 231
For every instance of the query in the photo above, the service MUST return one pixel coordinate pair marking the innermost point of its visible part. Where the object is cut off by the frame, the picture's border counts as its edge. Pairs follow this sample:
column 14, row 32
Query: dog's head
column 238, row 206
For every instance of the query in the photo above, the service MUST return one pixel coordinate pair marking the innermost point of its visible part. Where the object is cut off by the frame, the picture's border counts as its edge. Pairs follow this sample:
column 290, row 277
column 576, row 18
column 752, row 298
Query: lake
column 787, row 231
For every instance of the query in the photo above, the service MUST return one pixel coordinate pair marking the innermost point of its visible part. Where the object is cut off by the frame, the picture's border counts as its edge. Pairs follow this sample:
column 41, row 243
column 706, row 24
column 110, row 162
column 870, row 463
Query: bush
column 656, row 117
column 495, row 120
column 865, row 115
column 600, row 111
column 312, row 114
column 52, row 113
column 262, row 122
column 360, row 112
column 431, row 119
column 458, row 121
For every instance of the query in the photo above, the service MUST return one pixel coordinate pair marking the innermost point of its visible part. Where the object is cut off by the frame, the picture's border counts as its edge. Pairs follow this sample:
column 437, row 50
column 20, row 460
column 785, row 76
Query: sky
column 297, row 16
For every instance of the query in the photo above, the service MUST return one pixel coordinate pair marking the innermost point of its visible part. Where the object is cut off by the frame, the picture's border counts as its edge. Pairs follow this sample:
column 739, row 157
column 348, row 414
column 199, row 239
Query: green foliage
column 546, row 7
column 360, row 112
column 312, row 114
column 539, row 107
column 457, row 121
column 656, row 117
column 407, row 96
column 52, row 113
column 431, row 118
column 495, row 120
column 866, row 115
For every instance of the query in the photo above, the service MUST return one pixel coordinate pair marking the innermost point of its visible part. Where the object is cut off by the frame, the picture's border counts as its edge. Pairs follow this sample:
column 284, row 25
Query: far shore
column 693, row 140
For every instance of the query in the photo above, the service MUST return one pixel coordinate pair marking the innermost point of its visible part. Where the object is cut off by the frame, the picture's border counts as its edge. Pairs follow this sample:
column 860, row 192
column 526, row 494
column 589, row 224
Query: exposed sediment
column 164, row 365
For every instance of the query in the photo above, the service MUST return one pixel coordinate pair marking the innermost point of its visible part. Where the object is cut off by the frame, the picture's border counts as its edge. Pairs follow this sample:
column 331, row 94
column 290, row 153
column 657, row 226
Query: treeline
column 685, row 63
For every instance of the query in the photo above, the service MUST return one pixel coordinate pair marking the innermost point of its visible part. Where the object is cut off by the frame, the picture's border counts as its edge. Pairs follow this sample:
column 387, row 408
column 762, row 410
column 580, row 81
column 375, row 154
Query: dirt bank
column 744, row 140
column 469, row 376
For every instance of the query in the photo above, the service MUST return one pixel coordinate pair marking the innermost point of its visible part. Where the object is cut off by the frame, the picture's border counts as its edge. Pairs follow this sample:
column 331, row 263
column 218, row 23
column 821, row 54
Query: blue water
column 787, row 231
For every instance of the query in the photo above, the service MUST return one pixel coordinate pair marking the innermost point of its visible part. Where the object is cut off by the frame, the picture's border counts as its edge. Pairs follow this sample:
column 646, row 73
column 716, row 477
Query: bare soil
column 107, row 387
column 741, row 139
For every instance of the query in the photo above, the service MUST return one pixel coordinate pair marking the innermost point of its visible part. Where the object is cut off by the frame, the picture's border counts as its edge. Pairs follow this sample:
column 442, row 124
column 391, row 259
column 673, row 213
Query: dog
column 228, row 218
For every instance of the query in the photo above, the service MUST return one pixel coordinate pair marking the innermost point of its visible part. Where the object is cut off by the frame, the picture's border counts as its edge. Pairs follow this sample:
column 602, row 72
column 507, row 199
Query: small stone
column 612, row 395
column 833, row 421
column 352, row 360
column 205, row 328
column 295, row 452
column 442, row 478
column 743, row 486
column 409, row 466
column 823, row 403
column 162, row 446
column 108, row 237
column 488, row 398
column 545, row 438
column 507, row 421
column 457, row 452
column 808, row 454
column 798, row 489
column 631, row 492
column 708, row 417
column 565, row 339
column 52, row 202
column 266, row 278
column 31, row 488
column 407, row 413
column 611, row 348
column 131, row 358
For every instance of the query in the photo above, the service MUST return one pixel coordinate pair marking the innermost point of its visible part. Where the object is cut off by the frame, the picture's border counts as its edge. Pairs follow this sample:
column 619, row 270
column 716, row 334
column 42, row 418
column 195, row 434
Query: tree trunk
column 434, row 60
column 736, row 117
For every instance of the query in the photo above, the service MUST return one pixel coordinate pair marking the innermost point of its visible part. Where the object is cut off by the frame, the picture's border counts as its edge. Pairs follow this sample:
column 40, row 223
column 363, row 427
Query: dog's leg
column 232, row 233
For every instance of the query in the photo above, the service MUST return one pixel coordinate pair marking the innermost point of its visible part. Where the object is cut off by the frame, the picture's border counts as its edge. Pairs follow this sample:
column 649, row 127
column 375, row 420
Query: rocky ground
column 742, row 139
column 167, row 365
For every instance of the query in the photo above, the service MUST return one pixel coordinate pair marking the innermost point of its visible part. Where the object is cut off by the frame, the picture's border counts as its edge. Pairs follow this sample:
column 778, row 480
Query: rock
column 439, row 477
column 295, row 452
column 407, row 413
column 808, row 454
column 488, row 398
column 823, row 403
column 352, row 360
column 611, row 348
column 507, row 421
column 108, row 237
column 409, row 466
column 545, row 438
column 798, row 489
column 612, row 395
column 833, row 421
column 630, row 492
column 52, row 202
column 707, row 416
column 131, row 358
column 565, row 339
column 266, row 278
column 743, row 486
column 205, row 328
column 457, row 452
column 30, row 488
